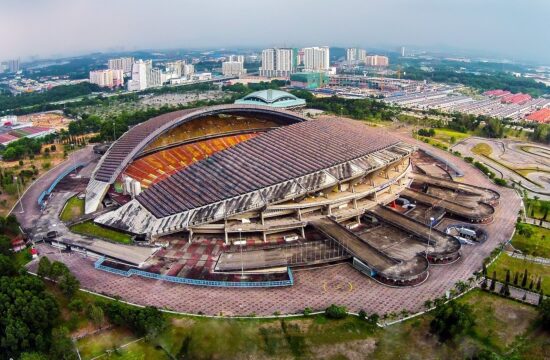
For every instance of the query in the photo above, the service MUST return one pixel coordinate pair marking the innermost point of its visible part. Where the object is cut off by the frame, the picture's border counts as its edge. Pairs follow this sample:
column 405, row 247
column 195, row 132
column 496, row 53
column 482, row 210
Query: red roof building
column 541, row 116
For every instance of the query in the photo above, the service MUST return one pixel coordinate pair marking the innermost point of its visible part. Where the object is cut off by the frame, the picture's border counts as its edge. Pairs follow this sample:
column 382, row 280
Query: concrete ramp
column 480, row 212
column 442, row 245
column 373, row 261
column 487, row 195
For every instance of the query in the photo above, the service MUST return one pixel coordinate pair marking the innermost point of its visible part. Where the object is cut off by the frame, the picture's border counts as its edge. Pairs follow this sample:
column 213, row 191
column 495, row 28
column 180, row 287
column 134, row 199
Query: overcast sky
column 517, row 29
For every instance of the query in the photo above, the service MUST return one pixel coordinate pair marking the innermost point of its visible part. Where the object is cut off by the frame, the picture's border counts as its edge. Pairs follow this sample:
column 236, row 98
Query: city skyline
column 490, row 28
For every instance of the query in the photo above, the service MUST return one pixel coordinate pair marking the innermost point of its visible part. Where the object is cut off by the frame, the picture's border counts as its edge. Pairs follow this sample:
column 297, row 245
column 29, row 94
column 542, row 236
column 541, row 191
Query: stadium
column 205, row 183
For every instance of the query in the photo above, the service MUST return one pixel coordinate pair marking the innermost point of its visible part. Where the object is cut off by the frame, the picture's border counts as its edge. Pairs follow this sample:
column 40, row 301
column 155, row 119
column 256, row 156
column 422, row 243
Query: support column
column 299, row 214
column 303, row 232
column 190, row 235
column 265, row 237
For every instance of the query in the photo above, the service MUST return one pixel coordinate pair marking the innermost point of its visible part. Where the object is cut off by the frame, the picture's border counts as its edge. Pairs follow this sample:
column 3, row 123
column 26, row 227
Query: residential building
column 316, row 58
column 236, row 58
column 233, row 68
column 188, row 70
column 125, row 64
column 107, row 78
column 377, row 60
column 175, row 68
column 154, row 77
column 277, row 62
column 140, row 69
column 355, row 55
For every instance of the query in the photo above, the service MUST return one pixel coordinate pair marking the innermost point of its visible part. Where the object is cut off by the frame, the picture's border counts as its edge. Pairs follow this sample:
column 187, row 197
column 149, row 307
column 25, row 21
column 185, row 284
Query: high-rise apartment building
column 233, row 68
column 377, row 60
column 188, row 70
column 316, row 58
column 107, row 78
column 125, row 64
column 154, row 77
column 140, row 69
column 355, row 55
column 236, row 58
column 175, row 68
column 277, row 62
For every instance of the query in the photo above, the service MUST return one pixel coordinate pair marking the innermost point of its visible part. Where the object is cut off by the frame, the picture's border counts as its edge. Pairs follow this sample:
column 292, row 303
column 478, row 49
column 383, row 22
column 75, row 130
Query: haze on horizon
column 516, row 30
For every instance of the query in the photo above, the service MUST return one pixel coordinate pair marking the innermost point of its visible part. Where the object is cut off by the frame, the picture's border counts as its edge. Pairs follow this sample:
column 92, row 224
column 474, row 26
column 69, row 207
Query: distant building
column 236, row 58
column 233, row 68
column 277, row 62
column 316, row 58
column 377, row 60
column 188, row 70
column 272, row 98
column 541, row 116
column 309, row 80
column 14, row 65
column 125, row 64
column 107, row 78
column 402, row 51
column 154, row 77
column 355, row 55
column 140, row 69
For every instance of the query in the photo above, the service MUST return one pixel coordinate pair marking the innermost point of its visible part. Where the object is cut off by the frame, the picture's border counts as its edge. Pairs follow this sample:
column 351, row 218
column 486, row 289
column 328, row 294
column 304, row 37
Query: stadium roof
column 273, row 98
column 271, row 158
column 130, row 145
column 277, row 166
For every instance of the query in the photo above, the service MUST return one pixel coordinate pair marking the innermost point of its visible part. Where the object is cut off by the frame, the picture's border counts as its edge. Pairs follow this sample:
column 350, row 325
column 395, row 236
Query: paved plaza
column 315, row 288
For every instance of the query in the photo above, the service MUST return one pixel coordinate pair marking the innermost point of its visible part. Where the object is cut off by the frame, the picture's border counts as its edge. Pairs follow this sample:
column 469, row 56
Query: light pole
column 241, row 244
column 429, row 237
column 19, row 194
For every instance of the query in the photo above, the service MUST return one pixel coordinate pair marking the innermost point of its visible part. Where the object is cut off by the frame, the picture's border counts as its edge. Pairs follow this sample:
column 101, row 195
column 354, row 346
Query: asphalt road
column 31, row 210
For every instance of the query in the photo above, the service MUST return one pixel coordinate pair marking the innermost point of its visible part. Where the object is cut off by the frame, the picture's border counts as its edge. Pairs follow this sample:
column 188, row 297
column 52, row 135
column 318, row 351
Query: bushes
column 148, row 321
column 484, row 169
column 336, row 312
column 452, row 319
column 500, row 182
column 469, row 159
column 426, row 132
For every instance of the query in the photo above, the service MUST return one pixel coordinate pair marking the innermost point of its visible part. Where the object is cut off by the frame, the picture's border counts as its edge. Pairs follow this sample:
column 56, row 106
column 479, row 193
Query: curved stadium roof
column 273, row 98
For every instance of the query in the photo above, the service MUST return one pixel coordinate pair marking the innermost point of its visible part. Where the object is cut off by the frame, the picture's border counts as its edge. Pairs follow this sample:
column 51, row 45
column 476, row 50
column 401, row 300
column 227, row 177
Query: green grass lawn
column 92, row 229
column 502, row 326
column 23, row 257
column 446, row 135
column 535, row 245
column 73, row 209
column 505, row 262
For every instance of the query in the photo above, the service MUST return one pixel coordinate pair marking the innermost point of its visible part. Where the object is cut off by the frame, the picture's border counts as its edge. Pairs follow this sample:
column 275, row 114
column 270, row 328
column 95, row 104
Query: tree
column 68, row 284
column 96, row 315
column 7, row 266
column 5, row 245
column 539, row 283
column 544, row 313
column 362, row 314
column 493, row 281
column 516, row 277
column 336, row 312
column 62, row 346
column 451, row 320
column 524, row 279
column 44, row 267
column 25, row 321
column 428, row 304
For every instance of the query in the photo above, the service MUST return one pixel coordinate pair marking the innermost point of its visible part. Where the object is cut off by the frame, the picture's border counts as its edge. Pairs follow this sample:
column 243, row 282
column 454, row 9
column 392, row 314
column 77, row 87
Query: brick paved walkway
column 315, row 288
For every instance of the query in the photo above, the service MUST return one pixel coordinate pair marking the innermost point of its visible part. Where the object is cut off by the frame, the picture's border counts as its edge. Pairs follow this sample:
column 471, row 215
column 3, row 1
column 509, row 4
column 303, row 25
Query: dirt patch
column 352, row 350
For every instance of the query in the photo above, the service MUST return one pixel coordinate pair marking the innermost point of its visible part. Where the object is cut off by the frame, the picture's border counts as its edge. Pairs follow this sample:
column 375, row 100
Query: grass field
column 482, row 149
column 446, row 135
column 502, row 326
column 506, row 262
column 73, row 209
column 535, row 245
column 92, row 229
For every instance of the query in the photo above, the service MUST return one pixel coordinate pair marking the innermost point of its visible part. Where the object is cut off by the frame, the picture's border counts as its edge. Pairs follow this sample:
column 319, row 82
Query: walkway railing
column 56, row 181
column 181, row 280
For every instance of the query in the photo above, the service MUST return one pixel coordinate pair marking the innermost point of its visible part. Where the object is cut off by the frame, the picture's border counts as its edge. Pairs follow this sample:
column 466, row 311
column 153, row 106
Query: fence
column 180, row 280
column 56, row 181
